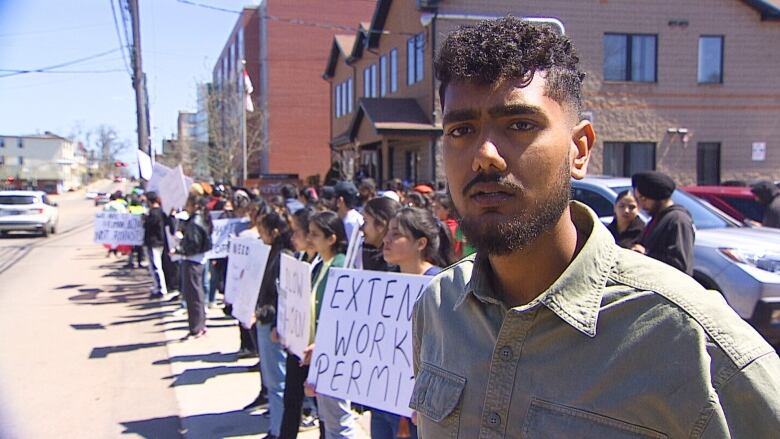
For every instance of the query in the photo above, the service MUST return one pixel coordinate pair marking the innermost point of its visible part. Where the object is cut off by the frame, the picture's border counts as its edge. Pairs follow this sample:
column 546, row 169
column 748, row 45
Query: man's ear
column 583, row 138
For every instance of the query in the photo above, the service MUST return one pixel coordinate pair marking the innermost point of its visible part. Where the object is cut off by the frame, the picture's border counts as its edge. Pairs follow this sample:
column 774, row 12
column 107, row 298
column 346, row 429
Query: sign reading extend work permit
column 293, row 317
column 114, row 229
column 363, row 346
column 247, row 259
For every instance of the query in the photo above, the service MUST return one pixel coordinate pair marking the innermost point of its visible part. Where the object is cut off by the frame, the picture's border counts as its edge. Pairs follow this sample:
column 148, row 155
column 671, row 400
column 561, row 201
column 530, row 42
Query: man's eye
column 522, row 126
column 460, row 131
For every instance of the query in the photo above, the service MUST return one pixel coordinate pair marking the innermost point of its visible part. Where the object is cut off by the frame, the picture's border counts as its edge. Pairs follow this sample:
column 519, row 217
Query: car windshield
column 17, row 199
column 704, row 215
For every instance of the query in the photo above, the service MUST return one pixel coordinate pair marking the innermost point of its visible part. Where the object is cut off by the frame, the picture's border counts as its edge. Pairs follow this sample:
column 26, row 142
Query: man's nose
column 488, row 156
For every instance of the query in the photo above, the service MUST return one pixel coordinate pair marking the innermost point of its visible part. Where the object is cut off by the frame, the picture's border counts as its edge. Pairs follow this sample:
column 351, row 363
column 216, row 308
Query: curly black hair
column 509, row 47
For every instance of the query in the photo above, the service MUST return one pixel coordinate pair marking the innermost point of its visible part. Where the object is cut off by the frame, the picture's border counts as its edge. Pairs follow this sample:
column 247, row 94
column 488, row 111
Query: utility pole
column 139, row 81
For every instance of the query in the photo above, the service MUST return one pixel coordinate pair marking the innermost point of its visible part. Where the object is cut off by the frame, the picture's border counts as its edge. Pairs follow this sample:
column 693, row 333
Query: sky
column 180, row 44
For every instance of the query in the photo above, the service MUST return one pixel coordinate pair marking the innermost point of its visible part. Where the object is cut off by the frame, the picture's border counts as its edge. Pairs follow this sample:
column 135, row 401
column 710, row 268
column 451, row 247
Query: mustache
column 501, row 180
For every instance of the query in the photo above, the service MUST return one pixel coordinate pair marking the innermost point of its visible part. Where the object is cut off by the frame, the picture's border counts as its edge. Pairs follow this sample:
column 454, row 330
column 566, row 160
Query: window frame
column 700, row 151
column 20, row 143
column 415, row 58
column 374, row 80
column 626, row 146
column 337, row 100
column 628, row 57
column 393, row 70
column 721, row 67
column 20, row 160
column 383, row 76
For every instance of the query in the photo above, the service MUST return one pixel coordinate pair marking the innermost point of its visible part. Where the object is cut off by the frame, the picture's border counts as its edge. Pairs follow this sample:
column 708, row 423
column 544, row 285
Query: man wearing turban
column 669, row 236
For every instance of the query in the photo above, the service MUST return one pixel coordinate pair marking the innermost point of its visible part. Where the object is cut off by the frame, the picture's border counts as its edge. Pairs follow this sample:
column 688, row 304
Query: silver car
column 742, row 263
column 29, row 211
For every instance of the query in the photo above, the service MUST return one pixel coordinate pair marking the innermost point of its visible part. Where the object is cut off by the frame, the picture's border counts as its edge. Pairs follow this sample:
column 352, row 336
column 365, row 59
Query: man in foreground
column 551, row 330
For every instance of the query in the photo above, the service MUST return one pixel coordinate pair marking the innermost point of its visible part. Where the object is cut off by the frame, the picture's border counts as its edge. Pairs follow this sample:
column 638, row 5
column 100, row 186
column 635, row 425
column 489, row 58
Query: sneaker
column 309, row 422
column 245, row 353
column 259, row 402
column 199, row 334
column 179, row 312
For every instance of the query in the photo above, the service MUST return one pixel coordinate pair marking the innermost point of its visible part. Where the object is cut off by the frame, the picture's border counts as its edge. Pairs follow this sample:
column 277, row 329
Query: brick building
column 284, row 44
column 679, row 86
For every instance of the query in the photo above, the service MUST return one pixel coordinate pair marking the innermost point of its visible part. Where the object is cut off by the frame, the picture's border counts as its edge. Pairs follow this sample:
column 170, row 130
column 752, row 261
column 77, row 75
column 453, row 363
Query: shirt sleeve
column 749, row 402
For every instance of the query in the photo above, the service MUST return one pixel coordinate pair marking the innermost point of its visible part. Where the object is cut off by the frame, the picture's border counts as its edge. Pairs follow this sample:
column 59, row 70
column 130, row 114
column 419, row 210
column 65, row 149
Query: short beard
column 517, row 232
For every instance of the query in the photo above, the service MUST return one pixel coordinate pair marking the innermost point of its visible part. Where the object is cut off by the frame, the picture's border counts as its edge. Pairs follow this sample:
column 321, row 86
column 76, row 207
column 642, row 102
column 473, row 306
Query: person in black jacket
column 155, row 221
column 626, row 226
column 669, row 236
column 769, row 196
column 274, row 231
column 377, row 213
column 195, row 242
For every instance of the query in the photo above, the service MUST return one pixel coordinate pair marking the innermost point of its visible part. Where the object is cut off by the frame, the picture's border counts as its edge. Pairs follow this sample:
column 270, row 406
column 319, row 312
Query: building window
column 630, row 57
column 383, row 77
column 337, row 101
column 410, row 161
column 2, row 143
column 374, row 81
column 2, row 160
column 708, row 163
column 624, row 159
column 20, row 160
column 367, row 82
column 393, row 70
column 710, row 59
column 350, row 97
column 415, row 54
column 20, row 142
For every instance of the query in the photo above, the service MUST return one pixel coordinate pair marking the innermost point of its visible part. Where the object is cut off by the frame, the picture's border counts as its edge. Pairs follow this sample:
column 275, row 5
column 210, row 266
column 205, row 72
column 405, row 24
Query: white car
column 30, row 211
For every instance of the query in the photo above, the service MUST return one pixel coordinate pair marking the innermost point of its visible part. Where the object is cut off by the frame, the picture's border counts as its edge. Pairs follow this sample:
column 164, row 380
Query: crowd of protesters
column 406, row 229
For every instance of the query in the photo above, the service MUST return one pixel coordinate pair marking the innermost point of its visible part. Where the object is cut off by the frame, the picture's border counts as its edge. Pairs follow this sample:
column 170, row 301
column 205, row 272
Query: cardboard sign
column 173, row 191
column 114, row 229
column 247, row 258
column 145, row 165
column 293, row 316
column 223, row 230
column 158, row 172
column 363, row 346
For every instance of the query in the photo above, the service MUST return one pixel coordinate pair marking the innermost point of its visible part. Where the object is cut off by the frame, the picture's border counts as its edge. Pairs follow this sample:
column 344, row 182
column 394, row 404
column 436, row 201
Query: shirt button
column 494, row 419
column 505, row 353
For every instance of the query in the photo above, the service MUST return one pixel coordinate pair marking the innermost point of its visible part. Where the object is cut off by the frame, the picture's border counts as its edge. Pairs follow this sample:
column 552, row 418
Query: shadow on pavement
column 207, row 425
column 213, row 357
column 186, row 328
column 164, row 428
column 82, row 326
column 105, row 351
column 200, row 376
column 69, row 286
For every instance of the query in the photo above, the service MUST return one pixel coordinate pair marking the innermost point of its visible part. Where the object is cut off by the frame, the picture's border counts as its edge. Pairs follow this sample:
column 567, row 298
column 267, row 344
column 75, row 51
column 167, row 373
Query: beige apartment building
column 46, row 162
column 688, row 87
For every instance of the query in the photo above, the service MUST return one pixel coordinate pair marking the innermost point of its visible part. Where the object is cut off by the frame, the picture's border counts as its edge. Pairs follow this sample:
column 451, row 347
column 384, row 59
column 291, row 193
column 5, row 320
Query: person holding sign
column 195, row 242
column 296, row 371
column 328, row 237
column 418, row 244
column 552, row 329
column 275, row 232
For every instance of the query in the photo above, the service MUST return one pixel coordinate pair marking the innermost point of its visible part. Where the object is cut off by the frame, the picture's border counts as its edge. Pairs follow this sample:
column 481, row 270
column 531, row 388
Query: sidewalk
column 212, row 385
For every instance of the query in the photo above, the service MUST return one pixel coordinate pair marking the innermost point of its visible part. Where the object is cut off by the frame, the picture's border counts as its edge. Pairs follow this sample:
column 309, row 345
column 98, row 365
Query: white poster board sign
column 759, row 151
column 363, row 346
column 247, row 258
column 293, row 314
column 222, row 231
column 145, row 165
column 114, row 229
column 158, row 172
column 173, row 192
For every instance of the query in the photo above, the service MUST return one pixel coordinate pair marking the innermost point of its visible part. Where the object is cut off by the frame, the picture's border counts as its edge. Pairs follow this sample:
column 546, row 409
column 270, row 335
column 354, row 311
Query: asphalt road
column 67, row 329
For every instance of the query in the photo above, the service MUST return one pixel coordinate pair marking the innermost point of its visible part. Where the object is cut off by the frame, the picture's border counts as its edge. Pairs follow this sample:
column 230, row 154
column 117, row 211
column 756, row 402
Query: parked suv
column 742, row 263
column 30, row 211
column 737, row 201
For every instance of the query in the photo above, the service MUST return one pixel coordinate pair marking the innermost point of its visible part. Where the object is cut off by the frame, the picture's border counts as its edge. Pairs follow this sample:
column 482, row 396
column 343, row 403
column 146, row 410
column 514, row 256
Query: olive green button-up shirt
column 620, row 346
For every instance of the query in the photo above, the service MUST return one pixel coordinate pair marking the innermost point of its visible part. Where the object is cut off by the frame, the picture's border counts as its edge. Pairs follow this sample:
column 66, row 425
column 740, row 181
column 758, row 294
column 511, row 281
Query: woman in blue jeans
column 417, row 243
column 274, row 231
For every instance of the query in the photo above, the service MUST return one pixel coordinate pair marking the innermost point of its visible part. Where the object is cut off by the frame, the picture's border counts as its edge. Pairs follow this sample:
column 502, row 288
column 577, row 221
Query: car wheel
column 3, row 234
column 53, row 228
column 45, row 232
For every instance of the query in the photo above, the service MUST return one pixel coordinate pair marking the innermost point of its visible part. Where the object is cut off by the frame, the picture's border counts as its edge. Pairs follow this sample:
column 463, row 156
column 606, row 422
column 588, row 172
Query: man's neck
column 522, row 276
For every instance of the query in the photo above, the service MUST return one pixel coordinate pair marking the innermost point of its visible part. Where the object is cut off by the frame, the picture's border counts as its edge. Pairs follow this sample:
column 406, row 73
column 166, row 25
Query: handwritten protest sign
column 363, row 346
column 222, row 230
column 293, row 316
column 247, row 258
column 114, row 229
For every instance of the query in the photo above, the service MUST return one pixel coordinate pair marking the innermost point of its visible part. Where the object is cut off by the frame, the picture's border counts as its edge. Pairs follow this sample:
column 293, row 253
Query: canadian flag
column 248, row 89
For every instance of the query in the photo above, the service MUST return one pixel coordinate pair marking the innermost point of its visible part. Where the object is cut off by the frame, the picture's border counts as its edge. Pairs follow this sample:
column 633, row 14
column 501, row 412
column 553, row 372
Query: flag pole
column 243, row 123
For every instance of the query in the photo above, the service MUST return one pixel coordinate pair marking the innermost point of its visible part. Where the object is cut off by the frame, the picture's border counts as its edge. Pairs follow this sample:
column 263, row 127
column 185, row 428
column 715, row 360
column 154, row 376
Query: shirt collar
column 575, row 296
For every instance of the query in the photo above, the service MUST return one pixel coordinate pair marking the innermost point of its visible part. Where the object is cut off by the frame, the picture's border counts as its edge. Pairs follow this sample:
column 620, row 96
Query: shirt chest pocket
column 549, row 420
column 436, row 396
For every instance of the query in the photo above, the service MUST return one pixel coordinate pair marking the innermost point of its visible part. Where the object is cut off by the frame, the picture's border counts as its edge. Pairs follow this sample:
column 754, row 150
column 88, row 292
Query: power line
column 205, row 6
column 119, row 37
column 57, row 66
column 64, row 71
